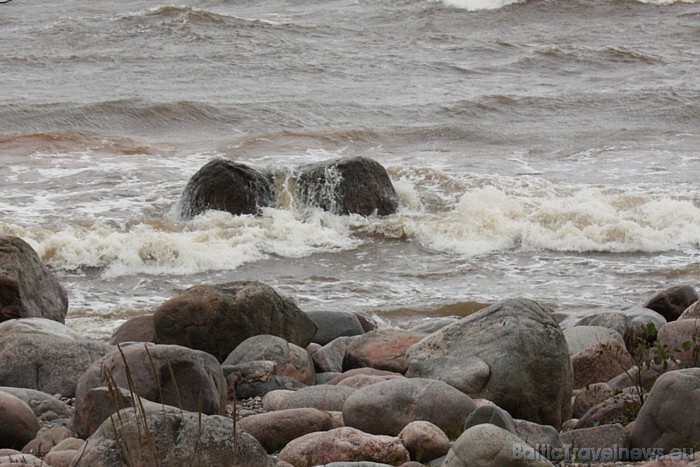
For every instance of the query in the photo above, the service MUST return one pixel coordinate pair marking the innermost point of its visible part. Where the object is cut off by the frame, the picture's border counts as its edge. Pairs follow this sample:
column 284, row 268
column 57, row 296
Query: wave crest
column 478, row 5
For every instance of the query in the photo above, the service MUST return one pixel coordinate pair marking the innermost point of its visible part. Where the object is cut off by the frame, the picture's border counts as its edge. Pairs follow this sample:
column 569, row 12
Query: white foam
column 212, row 241
column 583, row 220
column 666, row 2
column 477, row 5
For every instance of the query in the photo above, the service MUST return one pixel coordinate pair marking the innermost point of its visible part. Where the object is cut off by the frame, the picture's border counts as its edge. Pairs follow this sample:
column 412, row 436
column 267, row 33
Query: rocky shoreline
column 237, row 374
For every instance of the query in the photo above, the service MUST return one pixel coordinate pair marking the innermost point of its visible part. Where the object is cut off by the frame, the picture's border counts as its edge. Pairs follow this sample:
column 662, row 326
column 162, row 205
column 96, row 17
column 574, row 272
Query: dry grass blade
column 140, row 412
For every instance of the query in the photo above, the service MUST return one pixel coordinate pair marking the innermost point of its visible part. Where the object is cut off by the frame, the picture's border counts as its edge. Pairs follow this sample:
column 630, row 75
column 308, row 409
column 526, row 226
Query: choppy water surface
column 546, row 149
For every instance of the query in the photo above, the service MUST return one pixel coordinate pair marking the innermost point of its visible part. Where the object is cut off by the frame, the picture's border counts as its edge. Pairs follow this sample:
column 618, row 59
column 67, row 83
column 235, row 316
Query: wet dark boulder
column 224, row 185
column 28, row 289
column 354, row 185
column 673, row 301
column 218, row 318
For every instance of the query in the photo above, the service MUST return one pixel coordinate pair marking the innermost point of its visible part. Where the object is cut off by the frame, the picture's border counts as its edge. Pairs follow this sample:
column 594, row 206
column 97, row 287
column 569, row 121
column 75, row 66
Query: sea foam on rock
column 512, row 353
column 352, row 185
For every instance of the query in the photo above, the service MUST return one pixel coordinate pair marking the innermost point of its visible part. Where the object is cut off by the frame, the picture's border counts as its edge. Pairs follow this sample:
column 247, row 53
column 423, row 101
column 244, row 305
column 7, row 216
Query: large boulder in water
column 354, row 185
column 512, row 353
column 218, row 318
column 224, row 185
column 27, row 288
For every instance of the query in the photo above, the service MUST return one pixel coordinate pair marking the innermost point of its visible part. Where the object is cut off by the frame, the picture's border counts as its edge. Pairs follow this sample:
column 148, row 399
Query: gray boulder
column 45, row 355
column 424, row 441
column 538, row 436
column 325, row 397
column 387, row 407
column 28, row 289
column 217, row 318
column 487, row 445
column 492, row 414
column 430, row 325
column 45, row 406
column 224, row 185
column 290, row 360
column 692, row 312
column 329, row 358
column 354, row 185
column 631, row 323
column 512, row 353
column 666, row 420
column 579, row 338
column 256, row 378
column 165, row 435
column 334, row 324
